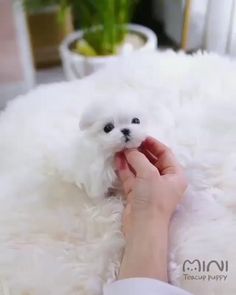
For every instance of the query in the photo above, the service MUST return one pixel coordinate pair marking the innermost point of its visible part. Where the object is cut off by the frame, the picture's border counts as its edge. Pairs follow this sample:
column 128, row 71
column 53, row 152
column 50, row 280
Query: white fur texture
column 94, row 149
column 54, row 239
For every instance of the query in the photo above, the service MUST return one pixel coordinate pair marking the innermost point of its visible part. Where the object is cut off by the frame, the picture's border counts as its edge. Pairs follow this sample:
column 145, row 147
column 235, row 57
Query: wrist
column 150, row 218
column 149, row 229
column 146, row 250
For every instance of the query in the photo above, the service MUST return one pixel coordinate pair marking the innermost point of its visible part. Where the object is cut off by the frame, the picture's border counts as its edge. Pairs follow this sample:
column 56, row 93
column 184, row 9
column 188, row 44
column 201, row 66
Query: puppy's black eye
column 108, row 127
column 135, row 121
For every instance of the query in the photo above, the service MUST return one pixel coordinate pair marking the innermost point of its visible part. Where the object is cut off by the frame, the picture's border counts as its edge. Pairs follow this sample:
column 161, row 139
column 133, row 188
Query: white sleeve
column 141, row 286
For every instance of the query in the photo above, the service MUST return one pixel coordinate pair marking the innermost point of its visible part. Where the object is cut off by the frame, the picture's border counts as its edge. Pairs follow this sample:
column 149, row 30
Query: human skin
column 154, row 184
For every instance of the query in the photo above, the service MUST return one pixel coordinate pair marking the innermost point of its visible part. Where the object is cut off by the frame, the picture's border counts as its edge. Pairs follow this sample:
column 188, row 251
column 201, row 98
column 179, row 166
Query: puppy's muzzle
column 126, row 133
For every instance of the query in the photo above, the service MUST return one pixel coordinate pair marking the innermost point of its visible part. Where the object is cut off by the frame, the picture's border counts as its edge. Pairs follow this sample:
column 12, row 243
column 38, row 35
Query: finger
column 126, row 219
column 125, row 174
column 167, row 163
column 158, row 163
column 149, row 155
column 154, row 146
column 139, row 163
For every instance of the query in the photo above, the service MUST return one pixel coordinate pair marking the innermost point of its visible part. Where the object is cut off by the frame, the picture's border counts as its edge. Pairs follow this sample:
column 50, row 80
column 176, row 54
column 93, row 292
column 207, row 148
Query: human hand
column 153, row 182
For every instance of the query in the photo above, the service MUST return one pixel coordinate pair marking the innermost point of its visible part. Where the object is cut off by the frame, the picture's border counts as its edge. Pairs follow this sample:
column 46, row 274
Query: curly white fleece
column 55, row 240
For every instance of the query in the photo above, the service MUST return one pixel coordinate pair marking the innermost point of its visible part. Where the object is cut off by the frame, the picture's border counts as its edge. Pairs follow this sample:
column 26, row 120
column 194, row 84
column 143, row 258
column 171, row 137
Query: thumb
column 125, row 174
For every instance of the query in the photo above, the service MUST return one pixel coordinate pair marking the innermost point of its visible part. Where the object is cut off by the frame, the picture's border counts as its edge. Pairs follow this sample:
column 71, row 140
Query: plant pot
column 46, row 34
column 78, row 66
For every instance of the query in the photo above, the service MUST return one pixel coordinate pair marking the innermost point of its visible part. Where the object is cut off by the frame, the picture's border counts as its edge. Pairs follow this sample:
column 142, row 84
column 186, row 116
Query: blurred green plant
column 104, row 22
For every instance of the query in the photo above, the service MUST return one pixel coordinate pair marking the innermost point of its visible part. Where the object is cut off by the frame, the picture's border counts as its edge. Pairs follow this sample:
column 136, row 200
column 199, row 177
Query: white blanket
column 53, row 240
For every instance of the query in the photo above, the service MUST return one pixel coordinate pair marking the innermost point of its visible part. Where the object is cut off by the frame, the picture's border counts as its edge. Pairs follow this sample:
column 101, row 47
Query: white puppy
column 107, row 127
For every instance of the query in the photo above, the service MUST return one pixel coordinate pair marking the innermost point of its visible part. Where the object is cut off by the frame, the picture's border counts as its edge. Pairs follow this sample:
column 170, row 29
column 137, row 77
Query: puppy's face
column 115, row 126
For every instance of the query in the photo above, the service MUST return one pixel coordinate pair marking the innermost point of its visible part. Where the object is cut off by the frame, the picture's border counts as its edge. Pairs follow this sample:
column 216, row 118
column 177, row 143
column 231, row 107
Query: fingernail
column 120, row 161
column 117, row 161
column 127, row 151
column 148, row 142
column 142, row 146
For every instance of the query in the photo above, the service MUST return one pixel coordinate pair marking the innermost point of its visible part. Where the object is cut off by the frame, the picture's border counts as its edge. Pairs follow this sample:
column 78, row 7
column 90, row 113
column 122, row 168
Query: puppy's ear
column 90, row 116
column 87, row 119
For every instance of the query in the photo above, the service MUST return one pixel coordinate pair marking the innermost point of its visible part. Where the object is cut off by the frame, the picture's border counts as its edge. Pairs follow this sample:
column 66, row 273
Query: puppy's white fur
column 54, row 239
column 93, row 166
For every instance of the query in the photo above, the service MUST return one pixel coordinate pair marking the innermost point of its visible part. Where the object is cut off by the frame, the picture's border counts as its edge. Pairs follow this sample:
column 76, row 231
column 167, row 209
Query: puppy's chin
column 131, row 144
column 109, row 146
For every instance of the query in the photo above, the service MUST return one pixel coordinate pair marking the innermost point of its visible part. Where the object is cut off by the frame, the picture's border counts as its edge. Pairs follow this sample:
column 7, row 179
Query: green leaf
column 83, row 47
column 104, row 21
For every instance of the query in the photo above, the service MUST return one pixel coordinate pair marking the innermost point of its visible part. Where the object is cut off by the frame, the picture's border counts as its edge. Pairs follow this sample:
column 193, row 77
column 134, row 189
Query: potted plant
column 49, row 22
column 105, row 34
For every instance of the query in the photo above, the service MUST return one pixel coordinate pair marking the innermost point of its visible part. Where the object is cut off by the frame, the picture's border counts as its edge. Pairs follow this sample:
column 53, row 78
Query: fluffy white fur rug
column 54, row 240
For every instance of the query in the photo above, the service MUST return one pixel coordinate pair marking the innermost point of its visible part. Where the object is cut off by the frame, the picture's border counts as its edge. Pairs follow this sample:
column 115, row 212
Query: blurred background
column 44, row 41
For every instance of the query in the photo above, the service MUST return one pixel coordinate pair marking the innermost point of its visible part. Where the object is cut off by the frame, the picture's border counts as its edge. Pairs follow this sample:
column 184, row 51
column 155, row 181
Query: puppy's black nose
column 125, row 131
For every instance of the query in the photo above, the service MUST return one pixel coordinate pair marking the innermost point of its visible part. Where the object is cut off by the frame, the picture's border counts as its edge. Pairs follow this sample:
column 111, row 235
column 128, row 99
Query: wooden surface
column 186, row 24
